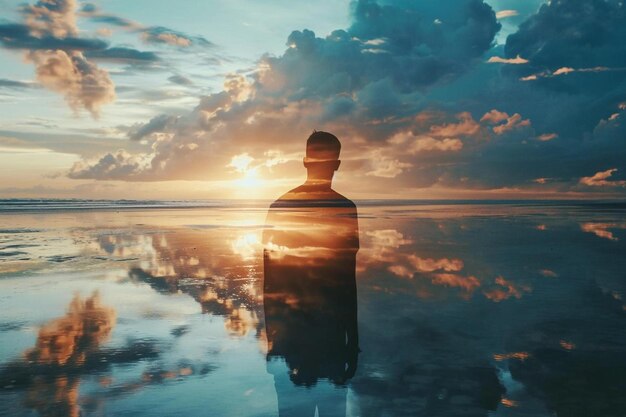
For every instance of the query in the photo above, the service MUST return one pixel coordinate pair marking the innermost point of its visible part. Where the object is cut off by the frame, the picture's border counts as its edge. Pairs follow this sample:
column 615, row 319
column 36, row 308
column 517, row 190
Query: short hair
column 322, row 146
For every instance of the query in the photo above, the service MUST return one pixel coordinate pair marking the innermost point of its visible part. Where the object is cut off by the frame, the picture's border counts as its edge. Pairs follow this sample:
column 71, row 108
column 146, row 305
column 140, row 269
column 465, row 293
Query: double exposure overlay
column 330, row 208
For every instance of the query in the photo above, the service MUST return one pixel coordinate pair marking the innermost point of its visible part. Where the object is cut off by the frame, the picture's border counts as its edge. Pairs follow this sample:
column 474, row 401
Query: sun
column 242, row 164
column 250, row 178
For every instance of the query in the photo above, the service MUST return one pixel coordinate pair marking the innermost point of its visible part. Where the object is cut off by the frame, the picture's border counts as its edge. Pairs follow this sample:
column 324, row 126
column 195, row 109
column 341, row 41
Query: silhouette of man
column 310, row 244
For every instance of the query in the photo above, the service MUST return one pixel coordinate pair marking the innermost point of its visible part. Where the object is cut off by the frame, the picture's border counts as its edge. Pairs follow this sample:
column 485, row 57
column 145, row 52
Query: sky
column 207, row 99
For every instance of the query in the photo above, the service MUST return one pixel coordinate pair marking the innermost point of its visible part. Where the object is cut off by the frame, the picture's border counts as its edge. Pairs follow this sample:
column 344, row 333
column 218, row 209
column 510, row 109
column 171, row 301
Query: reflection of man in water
column 311, row 240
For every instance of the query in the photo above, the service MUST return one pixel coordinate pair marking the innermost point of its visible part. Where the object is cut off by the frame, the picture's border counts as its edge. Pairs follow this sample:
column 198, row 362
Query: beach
column 463, row 309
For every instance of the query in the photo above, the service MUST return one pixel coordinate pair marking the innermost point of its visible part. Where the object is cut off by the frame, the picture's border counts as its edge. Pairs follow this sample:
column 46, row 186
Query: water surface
column 463, row 310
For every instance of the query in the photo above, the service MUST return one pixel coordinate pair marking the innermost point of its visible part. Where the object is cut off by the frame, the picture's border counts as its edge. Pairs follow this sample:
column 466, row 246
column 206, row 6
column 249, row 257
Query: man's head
column 322, row 155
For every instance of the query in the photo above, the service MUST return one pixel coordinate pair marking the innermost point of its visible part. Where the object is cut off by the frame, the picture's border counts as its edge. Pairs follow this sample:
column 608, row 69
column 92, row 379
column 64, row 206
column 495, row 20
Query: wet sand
column 463, row 310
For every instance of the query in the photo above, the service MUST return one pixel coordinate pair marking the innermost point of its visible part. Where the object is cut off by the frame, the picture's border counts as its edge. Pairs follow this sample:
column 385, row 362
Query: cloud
column 563, row 70
column 83, row 84
column 466, row 283
column 158, row 124
column 149, row 34
column 427, row 143
column 513, row 122
column 515, row 61
column 575, row 35
column 431, row 265
column 21, row 36
column 547, row 136
column 118, row 165
column 50, row 37
column 420, row 52
column 16, row 84
column 386, row 167
column 569, row 70
column 430, row 132
column 163, row 35
column 335, row 82
column 505, row 289
column 496, row 118
column 602, row 229
column 411, row 89
column 241, row 162
column 94, row 13
column 180, row 80
column 580, row 41
column 121, row 54
column 601, row 179
column 503, row 14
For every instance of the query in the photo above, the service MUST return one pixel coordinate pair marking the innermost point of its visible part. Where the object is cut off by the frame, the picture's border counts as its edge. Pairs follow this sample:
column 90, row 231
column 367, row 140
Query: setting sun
column 241, row 164
column 250, row 179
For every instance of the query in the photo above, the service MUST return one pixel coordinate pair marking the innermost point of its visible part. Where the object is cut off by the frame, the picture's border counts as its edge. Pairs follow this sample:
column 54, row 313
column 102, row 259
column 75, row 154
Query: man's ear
column 338, row 164
column 304, row 162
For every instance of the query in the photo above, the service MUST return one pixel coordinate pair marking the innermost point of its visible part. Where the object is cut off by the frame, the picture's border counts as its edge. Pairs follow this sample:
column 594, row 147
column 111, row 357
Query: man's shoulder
column 290, row 195
column 301, row 196
column 346, row 202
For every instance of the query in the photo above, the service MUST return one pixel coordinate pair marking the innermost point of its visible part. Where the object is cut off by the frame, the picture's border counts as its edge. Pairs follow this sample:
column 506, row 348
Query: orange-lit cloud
column 69, row 339
column 503, row 14
column 601, row 179
column 510, row 122
column 51, row 38
column 547, row 136
column 505, row 289
column 548, row 273
column 84, row 85
column 430, row 264
column 514, row 61
column 602, row 229
column 522, row 356
column 467, row 283
column 427, row 143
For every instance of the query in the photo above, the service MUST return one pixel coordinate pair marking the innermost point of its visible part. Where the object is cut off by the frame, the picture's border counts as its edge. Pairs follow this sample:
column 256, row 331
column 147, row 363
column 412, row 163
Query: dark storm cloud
column 413, row 44
column 576, row 51
column 573, row 89
column 572, row 33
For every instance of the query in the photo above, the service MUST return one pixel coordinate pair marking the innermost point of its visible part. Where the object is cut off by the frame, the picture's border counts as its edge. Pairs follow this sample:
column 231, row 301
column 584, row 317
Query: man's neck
column 319, row 184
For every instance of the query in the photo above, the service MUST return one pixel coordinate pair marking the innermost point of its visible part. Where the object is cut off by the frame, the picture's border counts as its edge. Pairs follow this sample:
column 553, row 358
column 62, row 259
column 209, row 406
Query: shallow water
column 468, row 310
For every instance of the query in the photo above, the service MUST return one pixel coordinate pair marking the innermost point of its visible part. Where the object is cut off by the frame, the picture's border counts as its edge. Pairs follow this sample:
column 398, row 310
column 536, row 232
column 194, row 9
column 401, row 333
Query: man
column 310, row 244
